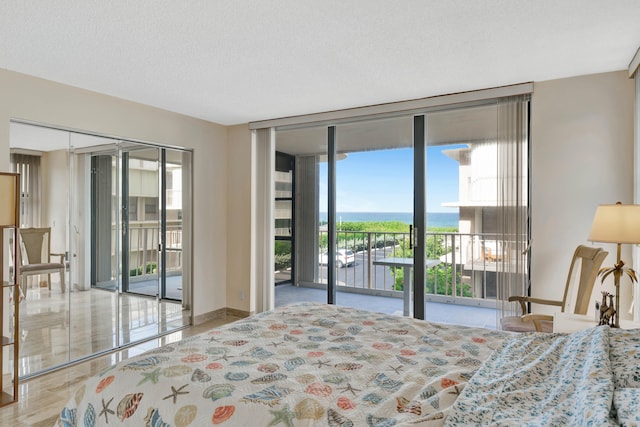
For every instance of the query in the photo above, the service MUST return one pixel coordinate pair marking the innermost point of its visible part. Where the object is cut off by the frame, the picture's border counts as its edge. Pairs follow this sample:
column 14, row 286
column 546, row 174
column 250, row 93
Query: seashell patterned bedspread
column 301, row 365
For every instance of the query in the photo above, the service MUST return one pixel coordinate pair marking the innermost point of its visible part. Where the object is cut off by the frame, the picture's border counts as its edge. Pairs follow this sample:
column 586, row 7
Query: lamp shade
column 616, row 224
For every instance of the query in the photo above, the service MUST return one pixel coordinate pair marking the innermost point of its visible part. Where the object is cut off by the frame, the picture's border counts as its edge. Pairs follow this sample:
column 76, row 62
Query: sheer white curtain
column 512, row 277
column 634, row 69
column 28, row 166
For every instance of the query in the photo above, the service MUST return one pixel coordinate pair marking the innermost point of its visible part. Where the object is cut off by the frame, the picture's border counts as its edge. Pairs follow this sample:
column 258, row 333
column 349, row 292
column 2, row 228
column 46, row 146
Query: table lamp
column 616, row 224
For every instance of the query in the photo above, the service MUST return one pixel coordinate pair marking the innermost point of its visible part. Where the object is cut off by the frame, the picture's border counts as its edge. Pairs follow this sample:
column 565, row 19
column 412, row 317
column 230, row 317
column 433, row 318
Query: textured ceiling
column 234, row 61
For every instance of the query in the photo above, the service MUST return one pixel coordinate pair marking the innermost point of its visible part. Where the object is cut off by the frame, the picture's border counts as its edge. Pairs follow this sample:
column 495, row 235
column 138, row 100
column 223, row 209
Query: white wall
column 582, row 156
column 239, row 290
column 32, row 99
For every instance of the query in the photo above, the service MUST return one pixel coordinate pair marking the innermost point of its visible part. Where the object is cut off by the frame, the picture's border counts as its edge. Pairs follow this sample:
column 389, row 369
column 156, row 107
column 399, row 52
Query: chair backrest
column 589, row 260
column 36, row 245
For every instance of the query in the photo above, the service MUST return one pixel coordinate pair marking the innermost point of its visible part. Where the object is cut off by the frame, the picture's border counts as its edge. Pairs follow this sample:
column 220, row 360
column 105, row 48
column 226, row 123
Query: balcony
column 460, row 282
column 440, row 312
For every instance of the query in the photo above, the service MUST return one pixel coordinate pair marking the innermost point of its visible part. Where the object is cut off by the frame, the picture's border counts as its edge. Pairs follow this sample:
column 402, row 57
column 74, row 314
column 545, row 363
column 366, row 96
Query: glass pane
column 374, row 204
column 44, row 310
column 284, row 184
column 175, row 290
column 461, row 188
column 284, row 221
column 309, row 147
column 93, row 245
column 282, row 261
column 139, row 311
column 8, row 375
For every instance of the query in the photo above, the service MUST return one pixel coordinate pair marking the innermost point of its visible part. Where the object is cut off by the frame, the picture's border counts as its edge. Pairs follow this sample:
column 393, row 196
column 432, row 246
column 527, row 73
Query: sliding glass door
column 374, row 214
column 141, row 203
column 395, row 212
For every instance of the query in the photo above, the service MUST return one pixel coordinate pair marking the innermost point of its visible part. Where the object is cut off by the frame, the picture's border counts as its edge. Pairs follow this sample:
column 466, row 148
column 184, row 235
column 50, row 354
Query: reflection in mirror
column 120, row 288
column 93, row 245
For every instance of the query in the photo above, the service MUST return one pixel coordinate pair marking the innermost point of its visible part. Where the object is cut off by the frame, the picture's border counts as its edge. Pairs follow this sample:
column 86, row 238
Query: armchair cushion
column 517, row 324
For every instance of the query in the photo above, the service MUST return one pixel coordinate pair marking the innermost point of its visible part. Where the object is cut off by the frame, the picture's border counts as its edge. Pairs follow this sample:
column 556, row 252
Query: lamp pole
column 616, row 282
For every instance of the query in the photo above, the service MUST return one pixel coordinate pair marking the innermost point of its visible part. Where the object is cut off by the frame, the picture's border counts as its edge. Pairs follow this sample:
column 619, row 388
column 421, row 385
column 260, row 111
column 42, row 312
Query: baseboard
column 237, row 313
column 216, row 314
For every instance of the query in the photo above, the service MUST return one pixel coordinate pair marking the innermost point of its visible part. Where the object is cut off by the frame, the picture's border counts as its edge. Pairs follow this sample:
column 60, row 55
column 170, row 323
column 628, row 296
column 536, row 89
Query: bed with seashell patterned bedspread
column 298, row 365
column 313, row 365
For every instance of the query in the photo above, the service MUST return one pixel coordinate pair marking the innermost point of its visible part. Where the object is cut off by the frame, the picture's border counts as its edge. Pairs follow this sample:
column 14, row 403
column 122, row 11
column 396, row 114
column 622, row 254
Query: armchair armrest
column 523, row 299
column 536, row 318
column 62, row 256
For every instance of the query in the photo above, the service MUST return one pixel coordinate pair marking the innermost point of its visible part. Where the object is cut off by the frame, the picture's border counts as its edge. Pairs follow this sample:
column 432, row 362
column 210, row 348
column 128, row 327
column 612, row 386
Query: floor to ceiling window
column 284, row 214
column 120, row 211
column 389, row 202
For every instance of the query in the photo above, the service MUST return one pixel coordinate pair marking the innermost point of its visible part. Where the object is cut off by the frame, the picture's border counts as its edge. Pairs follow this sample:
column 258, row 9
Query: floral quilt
column 302, row 365
column 549, row 380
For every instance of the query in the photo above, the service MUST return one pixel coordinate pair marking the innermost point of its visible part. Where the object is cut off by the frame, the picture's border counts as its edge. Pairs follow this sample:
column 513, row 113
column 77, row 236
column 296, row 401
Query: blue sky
column 382, row 181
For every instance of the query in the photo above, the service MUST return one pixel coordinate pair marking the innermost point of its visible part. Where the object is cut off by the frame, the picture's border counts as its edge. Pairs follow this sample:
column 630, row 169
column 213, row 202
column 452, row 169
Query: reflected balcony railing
column 143, row 248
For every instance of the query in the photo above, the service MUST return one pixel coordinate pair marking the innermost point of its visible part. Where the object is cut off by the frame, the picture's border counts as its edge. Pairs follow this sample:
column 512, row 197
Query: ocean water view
column 434, row 219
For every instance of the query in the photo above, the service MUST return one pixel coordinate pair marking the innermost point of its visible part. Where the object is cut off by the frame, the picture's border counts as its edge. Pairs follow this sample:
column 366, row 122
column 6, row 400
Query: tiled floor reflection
column 56, row 327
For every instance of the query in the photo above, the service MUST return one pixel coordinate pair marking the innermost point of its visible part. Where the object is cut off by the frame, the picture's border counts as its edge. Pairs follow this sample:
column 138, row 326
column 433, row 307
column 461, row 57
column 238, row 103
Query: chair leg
column 63, row 285
column 23, row 284
column 49, row 281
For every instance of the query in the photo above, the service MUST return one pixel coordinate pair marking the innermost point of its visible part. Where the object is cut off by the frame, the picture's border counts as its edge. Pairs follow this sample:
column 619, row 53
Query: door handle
column 411, row 235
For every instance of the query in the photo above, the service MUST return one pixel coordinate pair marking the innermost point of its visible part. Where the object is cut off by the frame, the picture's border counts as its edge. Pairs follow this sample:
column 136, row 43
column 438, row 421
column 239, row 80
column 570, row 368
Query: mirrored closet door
column 120, row 213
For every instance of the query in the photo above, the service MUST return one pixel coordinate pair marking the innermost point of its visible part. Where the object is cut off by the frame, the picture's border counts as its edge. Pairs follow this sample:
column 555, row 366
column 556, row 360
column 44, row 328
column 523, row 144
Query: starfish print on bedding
column 350, row 388
column 284, row 416
column 106, row 410
column 224, row 357
column 175, row 392
column 150, row 376
column 276, row 344
column 322, row 363
column 397, row 369
column 212, row 339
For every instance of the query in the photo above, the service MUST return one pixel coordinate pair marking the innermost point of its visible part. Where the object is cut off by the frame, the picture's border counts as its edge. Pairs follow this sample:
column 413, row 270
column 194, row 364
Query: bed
column 313, row 364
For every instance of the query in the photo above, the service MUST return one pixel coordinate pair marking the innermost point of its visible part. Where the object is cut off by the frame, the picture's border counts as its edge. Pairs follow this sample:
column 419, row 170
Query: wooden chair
column 590, row 260
column 36, row 257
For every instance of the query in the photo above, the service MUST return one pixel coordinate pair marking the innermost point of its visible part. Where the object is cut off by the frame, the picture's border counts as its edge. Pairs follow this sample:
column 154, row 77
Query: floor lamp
column 616, row 224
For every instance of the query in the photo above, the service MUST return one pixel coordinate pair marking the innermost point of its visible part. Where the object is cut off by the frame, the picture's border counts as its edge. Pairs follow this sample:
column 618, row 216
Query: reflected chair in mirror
column 588, row 260
column 36, row 257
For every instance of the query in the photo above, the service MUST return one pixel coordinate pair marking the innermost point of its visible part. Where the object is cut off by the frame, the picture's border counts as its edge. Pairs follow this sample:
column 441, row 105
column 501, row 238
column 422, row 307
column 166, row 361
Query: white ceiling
column 235, row 61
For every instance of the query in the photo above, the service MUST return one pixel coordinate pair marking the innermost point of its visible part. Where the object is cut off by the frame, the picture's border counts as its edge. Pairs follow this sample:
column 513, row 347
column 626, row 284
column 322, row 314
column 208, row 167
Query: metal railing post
column 454, row 268
column 369, row 261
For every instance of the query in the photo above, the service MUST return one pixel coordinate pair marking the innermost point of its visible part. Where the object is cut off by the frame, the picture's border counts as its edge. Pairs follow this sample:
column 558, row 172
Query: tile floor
column 434, row 312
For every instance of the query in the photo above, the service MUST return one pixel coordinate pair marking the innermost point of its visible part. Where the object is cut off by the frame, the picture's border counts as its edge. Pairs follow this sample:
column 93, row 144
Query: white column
column 262, row 219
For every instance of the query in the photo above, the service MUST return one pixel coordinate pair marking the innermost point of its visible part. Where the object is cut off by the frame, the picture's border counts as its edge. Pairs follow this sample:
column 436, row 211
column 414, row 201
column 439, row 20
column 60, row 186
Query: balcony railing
column 462, row 265
column 143, row 247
